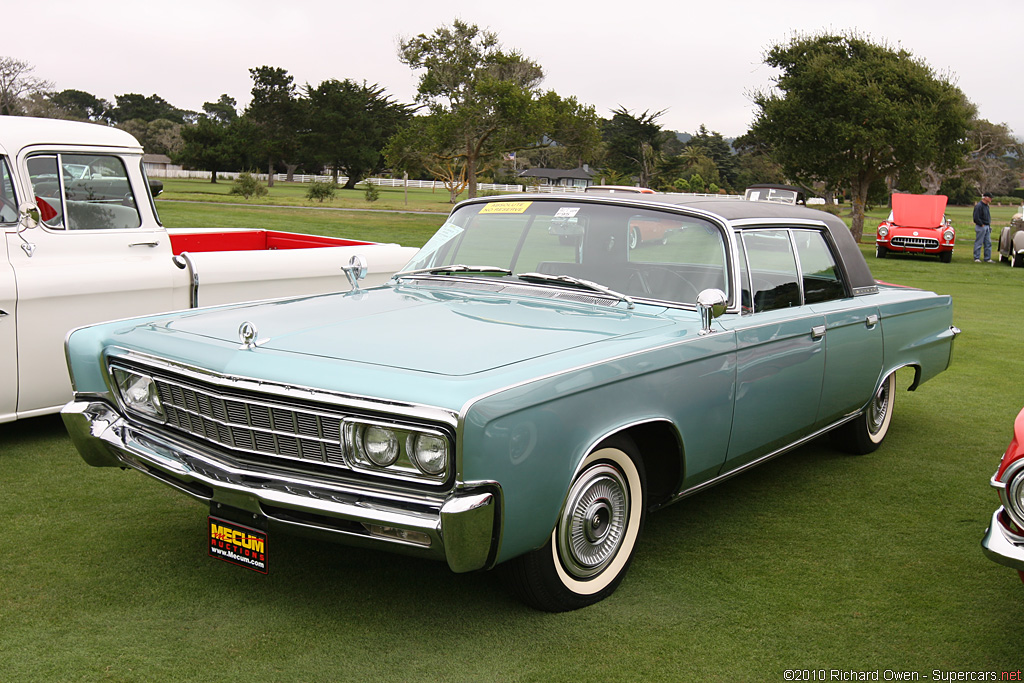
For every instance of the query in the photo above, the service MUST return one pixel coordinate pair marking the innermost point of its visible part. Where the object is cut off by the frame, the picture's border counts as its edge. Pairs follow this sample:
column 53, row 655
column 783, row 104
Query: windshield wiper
column 577, row 282
column 455, row 268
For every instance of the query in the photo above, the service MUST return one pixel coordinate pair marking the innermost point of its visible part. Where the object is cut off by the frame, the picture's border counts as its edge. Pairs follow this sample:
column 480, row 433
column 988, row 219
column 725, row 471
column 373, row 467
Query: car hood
column 413, row 328
column 918, row 210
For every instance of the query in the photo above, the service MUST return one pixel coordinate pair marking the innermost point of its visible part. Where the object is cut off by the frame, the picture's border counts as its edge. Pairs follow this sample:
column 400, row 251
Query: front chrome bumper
column 460, row 527
column 1001, row 545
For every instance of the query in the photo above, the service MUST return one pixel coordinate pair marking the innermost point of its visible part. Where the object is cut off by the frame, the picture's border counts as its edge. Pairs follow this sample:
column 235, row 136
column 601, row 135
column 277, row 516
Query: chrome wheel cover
column 593, row 522
column 879, row 408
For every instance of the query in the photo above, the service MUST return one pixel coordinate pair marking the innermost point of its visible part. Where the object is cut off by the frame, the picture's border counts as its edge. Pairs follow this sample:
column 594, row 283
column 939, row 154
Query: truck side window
column 85, row 191
column 8, row 200
column 42, row 170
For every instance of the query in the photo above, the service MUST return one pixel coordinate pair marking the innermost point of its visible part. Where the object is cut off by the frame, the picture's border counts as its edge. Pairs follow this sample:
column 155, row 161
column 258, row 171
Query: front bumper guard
column 1002, row 546
column 460, row 528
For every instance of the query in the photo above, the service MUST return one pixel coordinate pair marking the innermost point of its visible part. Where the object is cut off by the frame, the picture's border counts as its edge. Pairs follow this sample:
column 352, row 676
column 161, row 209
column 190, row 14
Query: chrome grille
column 915, row 242
column 252, row 425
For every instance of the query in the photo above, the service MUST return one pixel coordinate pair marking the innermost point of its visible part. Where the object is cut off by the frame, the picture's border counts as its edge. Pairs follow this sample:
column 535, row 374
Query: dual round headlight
column 948, row 235
column 380, row 446
column 138, row 393
column 429, row 453
column 396, row 450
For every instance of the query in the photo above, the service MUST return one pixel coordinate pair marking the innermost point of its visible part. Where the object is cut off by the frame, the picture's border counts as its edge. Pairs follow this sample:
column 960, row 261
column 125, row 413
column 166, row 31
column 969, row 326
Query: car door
column 91, row 260
column 780, row 355
column 853, row 333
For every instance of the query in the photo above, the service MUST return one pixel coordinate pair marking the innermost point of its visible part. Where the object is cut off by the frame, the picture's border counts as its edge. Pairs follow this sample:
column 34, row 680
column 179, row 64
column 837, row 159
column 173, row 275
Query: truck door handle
column 872, row 320
column 817, row 332
column 145, row 244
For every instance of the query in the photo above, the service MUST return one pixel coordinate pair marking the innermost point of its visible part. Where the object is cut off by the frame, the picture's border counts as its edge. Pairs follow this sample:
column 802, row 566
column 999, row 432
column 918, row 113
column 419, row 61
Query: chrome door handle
column 817, row 332
column 145, row 244
column 872, row 320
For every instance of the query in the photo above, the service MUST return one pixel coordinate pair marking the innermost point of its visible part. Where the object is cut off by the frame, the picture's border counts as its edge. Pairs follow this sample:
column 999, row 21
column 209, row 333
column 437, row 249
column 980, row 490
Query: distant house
column 577, row 177
column 159, row 162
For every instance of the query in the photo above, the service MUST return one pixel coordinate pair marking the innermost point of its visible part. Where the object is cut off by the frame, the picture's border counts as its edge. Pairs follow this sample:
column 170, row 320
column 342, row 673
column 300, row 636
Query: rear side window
column 83, row 192
column 818, row 270
column 8, row 200
column 787, row 267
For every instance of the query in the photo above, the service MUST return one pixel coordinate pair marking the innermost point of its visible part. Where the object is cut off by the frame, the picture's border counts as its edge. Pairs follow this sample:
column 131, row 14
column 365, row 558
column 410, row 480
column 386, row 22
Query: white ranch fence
column 397, row 182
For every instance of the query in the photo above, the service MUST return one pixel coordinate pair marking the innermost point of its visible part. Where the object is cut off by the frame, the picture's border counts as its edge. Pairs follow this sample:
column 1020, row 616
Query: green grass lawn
column 294, row 194
column 816, row 560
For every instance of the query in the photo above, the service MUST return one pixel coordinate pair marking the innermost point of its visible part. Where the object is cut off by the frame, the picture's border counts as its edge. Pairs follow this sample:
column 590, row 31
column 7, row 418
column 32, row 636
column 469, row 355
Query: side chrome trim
column 754, row 463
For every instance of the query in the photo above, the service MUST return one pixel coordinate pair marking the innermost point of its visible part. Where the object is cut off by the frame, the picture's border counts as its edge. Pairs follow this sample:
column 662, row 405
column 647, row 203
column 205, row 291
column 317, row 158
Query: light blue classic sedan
column 523, row 393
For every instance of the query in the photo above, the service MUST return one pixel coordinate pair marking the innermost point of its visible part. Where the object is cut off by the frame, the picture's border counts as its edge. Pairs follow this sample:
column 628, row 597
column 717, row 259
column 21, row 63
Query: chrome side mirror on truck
column 28, row 218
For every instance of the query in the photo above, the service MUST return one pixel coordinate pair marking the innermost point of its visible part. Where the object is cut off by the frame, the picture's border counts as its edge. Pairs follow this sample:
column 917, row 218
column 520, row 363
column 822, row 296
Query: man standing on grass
column 983, row 228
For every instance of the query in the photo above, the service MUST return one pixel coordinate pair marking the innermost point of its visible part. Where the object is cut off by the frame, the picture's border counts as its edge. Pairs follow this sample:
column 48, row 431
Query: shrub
column 320, row 191
column 370, row 192
column 247, row 185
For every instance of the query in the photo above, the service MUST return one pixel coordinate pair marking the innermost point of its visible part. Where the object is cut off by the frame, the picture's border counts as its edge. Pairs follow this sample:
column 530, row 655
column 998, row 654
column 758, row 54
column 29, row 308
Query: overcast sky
column 698, row 61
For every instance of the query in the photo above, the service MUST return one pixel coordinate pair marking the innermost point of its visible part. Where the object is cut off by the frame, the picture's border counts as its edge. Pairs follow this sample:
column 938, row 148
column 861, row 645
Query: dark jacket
column 982, row 216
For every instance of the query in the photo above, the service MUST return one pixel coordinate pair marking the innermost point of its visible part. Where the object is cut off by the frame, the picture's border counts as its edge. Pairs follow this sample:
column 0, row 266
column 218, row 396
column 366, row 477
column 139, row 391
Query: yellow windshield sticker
column 506, row 207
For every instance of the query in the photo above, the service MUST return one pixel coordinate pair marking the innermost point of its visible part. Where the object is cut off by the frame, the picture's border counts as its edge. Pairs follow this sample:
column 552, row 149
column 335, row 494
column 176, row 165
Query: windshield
column 640, row 252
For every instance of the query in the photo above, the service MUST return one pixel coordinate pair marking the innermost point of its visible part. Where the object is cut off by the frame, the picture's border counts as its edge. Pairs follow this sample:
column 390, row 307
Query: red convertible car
column 1004, row 539
column 917, row 225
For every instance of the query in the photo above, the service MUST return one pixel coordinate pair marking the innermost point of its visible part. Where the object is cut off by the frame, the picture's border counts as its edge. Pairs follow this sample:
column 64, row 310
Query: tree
column 159, row 136
column 846, row 112
column 78, row 104
column 18, row 83
column 428, row 142
column 134, row 106
column 222, row 111
column 348, row 126
column 755, row 165
column 486, row 102
column 634, row 143
column 276, row 113
column 992, row 151
column 714, row 147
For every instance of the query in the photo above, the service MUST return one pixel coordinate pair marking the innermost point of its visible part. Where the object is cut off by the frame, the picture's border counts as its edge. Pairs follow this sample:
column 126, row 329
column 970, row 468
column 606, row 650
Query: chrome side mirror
column 29, row 213
column 28, row 218
column 355, row 271
column 711, row 304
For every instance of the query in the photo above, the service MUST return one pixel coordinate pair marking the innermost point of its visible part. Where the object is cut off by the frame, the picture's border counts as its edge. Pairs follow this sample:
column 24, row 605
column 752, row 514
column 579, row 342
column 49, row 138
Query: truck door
column 94, row 259
column 8, row 299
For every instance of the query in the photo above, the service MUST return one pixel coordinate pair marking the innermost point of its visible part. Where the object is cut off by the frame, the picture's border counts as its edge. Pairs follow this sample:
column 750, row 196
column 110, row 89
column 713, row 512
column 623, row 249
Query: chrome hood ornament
column 248, row 334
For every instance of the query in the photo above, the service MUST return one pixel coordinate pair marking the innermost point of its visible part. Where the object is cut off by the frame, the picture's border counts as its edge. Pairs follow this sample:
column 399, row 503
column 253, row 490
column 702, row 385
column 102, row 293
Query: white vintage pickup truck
column 83, row 243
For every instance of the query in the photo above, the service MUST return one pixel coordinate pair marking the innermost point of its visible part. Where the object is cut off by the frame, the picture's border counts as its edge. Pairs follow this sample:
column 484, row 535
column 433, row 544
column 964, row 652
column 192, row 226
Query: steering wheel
column 681, row 289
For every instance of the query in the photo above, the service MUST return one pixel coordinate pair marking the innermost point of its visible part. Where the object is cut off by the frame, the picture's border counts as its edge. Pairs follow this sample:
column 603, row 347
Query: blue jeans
column 983, row 236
